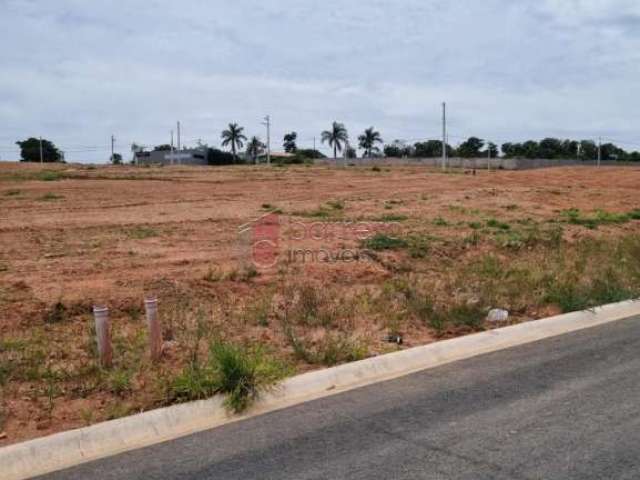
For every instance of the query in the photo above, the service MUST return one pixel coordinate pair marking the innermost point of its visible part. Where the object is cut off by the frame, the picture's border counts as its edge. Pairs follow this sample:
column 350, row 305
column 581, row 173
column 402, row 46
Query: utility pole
column 41, row 154
column 599, row 150
column 489, row 155
column 113, row 141
column 267, row 122
column 178, row 136
column 444, row 135
column 172, row 151
column 314, row 144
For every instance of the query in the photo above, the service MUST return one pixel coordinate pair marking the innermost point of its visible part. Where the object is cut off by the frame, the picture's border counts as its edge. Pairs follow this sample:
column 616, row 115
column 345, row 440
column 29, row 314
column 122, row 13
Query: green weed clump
column 141, row 232
column 119, row 382
column 49, row 176
column 240, row 373
column 57, row 313
column 493, row 223
column 336, row 204
column 332, row 349
column 391, row 217
column 381, row 241
column 271, row 208
column 571, row 294
column 418, row 246
column 440, row 222
column 529, row 236
column 600, row 217
column 421, row 306
column 49, row 196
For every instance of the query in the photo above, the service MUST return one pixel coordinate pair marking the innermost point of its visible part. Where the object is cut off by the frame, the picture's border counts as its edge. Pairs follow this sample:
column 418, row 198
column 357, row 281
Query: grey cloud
column 79, row 71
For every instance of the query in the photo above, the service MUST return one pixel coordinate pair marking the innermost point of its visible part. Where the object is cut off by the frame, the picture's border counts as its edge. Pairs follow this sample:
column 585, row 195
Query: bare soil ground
column 76, row 236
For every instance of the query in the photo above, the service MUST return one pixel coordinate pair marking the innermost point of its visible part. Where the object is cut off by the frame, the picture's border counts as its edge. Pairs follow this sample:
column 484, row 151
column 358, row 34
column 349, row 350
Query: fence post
column 103, row 335
column 153, row 327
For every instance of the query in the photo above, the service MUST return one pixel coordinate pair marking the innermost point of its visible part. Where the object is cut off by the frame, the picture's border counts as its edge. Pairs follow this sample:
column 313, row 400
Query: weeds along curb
column 66, row 449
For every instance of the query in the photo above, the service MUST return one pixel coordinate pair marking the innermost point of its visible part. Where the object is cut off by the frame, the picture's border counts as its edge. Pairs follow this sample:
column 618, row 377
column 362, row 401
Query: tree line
column 241, row 149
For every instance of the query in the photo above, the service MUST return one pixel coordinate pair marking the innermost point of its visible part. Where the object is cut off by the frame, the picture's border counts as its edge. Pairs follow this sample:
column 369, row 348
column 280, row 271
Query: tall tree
column 336, row 137
column 493, row 148
column 471, row 147
column 550, row 148
column 397, row 149
column 431, row 149
column 30, row 151
column 367, row 141
column 233, row 137
column 254, row 148
column 289, row 142
column 588, row 150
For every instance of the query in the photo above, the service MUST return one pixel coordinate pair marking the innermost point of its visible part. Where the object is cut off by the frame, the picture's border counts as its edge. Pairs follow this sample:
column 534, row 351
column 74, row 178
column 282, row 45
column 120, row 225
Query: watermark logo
column 259, row 241
column 273, row 237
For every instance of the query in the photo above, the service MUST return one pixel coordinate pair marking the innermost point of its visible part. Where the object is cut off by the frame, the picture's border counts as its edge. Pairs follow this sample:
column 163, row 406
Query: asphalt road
column 563, row 408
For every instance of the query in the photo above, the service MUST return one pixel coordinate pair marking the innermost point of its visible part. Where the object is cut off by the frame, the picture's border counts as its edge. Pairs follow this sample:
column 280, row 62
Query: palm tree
column 368, row 140
column 233, row 136
column 336, row 137
column 254, row 148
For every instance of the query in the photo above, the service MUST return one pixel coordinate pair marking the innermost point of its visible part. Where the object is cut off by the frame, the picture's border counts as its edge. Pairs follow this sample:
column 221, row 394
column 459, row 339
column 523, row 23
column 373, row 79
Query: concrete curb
column 66, row 449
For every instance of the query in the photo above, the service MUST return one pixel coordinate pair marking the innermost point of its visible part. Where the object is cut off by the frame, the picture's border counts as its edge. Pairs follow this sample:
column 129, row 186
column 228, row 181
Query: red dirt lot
column 75, row 236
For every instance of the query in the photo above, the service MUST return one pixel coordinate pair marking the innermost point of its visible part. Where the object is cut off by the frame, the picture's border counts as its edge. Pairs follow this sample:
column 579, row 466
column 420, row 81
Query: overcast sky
column 76, row 71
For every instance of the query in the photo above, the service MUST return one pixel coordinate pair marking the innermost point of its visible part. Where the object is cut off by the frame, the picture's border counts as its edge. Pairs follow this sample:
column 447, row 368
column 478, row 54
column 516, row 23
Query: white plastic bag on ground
column 497, row 315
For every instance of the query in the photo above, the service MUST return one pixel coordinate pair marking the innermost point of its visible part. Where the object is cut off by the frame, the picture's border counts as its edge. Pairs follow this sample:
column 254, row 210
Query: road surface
column 563, row 408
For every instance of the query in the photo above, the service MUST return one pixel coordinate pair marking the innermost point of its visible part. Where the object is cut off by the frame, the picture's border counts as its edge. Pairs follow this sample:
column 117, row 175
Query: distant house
column 195, row 156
